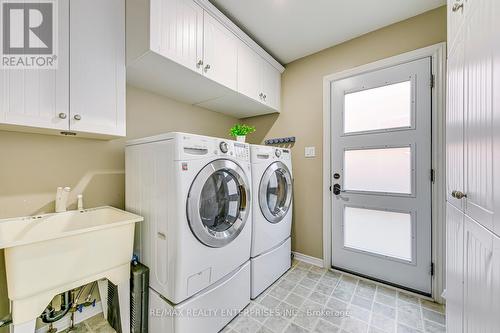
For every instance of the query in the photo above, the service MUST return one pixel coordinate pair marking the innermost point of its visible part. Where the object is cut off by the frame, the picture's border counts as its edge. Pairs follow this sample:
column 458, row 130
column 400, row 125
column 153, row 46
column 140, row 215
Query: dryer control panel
column 242, row 151
column 235, row 149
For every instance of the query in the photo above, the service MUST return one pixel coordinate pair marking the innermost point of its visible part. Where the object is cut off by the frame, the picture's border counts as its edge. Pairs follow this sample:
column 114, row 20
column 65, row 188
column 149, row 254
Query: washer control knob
column 277, row 153
column 223, row 147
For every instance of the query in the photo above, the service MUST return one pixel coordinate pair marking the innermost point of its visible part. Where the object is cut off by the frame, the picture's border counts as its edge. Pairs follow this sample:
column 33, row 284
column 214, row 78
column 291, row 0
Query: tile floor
column 312, row 299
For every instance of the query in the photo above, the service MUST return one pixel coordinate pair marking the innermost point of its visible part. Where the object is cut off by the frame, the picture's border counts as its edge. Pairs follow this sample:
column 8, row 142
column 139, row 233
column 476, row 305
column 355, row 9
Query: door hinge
column 432, row 269
column 433, row 175
column 433, row 80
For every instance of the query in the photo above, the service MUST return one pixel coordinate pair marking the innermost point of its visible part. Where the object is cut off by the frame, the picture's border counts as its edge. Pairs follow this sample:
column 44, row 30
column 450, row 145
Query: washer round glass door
column 275, row 192
column 218, row 203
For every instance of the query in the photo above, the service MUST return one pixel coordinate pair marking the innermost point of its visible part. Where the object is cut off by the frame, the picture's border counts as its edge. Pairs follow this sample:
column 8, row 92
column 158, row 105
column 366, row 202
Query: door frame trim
column 437, row 52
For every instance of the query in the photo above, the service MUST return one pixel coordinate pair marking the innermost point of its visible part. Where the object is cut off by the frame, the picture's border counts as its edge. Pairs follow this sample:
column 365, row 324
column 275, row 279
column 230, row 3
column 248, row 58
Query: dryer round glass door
column 218, row 203
column 275, row 192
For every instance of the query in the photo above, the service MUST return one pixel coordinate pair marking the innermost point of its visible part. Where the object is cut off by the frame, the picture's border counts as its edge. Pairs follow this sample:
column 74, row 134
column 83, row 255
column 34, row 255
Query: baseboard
column 308, row 259
column 64, row 323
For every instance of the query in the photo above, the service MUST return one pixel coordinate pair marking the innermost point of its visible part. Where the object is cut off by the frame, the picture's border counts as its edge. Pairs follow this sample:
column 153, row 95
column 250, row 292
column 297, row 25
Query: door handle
column 458, row 194
column 336, row 189
column 456, row 7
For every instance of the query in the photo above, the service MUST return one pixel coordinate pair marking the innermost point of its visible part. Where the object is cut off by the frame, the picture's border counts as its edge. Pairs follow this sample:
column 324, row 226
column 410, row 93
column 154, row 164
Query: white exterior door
column 220, row 53
column 39, row 98
column 381, row 165
column 97, row 66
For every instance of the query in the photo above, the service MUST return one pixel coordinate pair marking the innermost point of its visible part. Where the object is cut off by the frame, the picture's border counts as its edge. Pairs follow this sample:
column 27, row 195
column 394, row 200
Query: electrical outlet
column 310, row 152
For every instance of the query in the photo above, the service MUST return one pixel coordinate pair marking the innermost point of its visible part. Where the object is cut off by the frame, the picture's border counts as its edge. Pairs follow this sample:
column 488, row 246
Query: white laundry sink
column 49, row 254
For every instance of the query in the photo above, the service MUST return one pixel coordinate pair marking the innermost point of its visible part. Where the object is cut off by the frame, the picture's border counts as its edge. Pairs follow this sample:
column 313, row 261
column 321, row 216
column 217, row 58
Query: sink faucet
column 80, row 202
column 62, row 199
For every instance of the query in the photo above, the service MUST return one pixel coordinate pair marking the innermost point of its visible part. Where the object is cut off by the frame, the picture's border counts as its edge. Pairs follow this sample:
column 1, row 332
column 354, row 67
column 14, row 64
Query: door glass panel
column 378, row 108
column 277, row 189
column 378, row 170
column 370, row 230
column 220, row 201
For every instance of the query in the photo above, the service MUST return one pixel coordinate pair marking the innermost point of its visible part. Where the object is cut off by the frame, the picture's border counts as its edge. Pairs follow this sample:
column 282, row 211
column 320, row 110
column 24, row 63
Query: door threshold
column 382, row 282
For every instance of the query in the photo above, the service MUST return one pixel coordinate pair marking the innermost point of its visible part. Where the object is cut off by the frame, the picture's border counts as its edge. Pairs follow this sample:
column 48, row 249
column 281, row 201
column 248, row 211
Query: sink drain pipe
column 51, row 316
column 6, row 321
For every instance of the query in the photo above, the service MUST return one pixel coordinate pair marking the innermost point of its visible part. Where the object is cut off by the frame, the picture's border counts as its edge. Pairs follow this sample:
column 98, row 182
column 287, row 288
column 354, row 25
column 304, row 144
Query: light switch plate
column 310, row 152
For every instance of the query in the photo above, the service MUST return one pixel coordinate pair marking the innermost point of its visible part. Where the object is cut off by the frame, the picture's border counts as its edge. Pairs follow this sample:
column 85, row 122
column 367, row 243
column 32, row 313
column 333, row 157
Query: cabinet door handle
column 264, row 97
column 207, row 67
column 77, row 117
column 261, row 95
column 62, row 115
column 458, row 194
column 199, row 64
column 456, row 7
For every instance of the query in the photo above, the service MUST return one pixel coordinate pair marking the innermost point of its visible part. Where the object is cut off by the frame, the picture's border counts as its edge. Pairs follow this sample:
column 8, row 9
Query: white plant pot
column 240, row 138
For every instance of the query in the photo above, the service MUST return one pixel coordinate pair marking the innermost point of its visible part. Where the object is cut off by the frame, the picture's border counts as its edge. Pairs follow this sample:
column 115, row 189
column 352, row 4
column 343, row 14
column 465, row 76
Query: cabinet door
column 455, row 125
column 249, row 72
column 481, row 122
column 177, row 31
column 220, row 53
column 271, row 85
column 39, row 97
column 97, row 66
column 479, row 280
column 454, row 268
column 456, row 15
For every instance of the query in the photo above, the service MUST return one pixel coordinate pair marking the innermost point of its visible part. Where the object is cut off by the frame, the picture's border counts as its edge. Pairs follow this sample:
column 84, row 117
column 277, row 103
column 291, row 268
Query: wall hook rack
column 279, row 141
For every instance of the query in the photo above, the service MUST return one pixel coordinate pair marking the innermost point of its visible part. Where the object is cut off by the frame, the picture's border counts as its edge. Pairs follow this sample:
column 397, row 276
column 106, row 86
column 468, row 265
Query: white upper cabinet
column 249, row 72
column 271, row 85
column 179, row 31
column 38, row 98
column 85, row 94
column 258, row 79
column 220, row 53
column 97, row 67
column 189, row 51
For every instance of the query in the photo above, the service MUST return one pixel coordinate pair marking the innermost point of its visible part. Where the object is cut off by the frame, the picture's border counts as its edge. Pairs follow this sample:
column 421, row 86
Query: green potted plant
column 240, row 131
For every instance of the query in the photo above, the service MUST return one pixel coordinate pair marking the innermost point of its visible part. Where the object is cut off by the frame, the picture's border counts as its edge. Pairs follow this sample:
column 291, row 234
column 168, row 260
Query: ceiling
column 292, row 29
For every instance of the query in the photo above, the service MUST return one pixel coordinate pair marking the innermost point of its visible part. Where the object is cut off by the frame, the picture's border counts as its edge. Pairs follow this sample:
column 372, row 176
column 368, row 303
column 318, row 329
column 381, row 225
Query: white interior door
column 381, row 175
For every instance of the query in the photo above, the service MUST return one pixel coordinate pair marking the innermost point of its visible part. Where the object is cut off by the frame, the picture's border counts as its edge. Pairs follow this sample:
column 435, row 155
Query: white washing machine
column 272, row 215
column 195, row 195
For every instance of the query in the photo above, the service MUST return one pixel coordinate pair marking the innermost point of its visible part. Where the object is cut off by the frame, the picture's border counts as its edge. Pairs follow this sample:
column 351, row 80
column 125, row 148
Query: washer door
column 275, row 192
column 218, row 203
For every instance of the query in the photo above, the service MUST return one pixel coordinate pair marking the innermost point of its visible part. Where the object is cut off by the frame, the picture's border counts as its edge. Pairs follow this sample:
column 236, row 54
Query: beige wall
column 302, row 110
column 32, row 166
